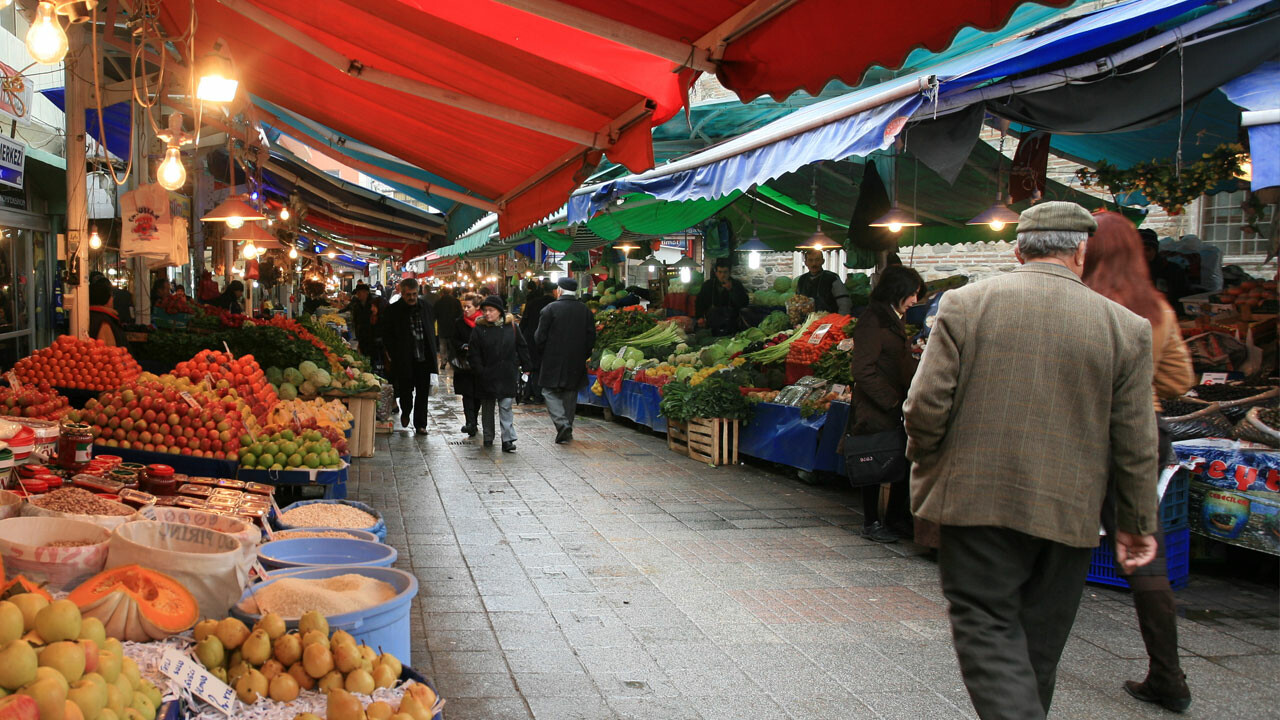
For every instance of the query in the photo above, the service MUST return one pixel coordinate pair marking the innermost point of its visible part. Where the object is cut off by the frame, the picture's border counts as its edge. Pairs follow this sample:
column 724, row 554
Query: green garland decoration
column 1161, row 182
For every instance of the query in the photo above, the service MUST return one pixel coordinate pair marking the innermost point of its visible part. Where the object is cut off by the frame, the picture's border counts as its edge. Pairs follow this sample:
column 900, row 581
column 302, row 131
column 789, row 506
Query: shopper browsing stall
column 720, row 304
column 104, row 321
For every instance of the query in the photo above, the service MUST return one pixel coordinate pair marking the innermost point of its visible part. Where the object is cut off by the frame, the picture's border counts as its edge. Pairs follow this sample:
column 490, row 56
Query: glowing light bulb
column 46, row 40
column 753, row 259
column 331, row 254
column 685, row 275
column 217, row 80
column 250, row 250
column 171, row 174
column 284, row 213
column 895, row 227
column 234, row 223
column 996, row 225
column 293, row 253
column 95, row 240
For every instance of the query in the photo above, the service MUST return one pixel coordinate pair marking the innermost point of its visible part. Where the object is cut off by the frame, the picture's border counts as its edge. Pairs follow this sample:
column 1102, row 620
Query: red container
column 34, row 486
column 160, row 480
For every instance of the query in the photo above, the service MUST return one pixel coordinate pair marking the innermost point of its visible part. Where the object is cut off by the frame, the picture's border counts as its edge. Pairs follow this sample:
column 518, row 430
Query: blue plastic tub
column 355, row 534
column 383, row 627
column 379, row 528
column 318, row 552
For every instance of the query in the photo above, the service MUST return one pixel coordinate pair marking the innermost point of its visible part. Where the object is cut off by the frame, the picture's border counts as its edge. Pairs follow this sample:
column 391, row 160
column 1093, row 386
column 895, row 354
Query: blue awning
column 1259, row 93
column 116, row 121
column 830, row 131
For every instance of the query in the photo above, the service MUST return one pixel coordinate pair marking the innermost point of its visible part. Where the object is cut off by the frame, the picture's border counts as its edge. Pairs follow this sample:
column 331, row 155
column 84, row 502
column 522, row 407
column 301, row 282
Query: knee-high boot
column 1165, row 685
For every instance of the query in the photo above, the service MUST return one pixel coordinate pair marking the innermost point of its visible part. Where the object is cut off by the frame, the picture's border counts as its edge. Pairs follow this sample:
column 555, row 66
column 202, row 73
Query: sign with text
column 1234, row 492
column 12, row 156
column 190, row 674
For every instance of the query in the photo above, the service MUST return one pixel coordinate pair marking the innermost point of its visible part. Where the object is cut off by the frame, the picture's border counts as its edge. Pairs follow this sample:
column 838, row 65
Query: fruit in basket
column 60, row 620
column 30, row 604
column 18, row 663
column 251, row 686
column 228, row 372
column 11, row 624
column 81, row 364
column 136, row 604
column 38, row 402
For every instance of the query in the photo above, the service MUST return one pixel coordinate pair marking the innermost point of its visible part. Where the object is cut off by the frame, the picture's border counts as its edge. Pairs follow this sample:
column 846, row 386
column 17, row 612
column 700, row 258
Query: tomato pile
column 804, row 352
column 226, row 372
column 153, row 415
column 80, row 364
column 41, row 403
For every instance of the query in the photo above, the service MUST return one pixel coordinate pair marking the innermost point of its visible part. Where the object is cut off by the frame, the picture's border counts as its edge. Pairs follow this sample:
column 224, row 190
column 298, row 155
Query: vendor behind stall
column 104, row 321
column 721, row 302
column 825, row 287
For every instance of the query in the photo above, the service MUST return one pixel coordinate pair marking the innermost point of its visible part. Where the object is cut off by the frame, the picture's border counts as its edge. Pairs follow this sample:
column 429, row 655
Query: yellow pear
column 379, row 711
column 210, row 652
column 383, row 677
column 342, row 705
column 299, row 673
column 346, row 658
column 367, row 653
column 236, row 671
column 317, row 660
column 71, row 711
column 359, row 681
column 256, row 649
column 312, row 620
column 314, row 637
column 232, row 633
column 410, row 704
column 283, row 688
column 306, row 716
column 132, row 714
column 220, row 673
column 18, row 664
column 271, row 668
column 402, row 716
column 391, row 661
column 204, row 629
column 341, row 637
column 273, row 624
column 287, row 649
column 108, row 714
column 251, row 686
column 332, row 681
column 58, row 621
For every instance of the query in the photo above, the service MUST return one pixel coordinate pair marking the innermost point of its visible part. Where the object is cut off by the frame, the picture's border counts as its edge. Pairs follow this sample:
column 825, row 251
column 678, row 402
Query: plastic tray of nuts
column 338, row 514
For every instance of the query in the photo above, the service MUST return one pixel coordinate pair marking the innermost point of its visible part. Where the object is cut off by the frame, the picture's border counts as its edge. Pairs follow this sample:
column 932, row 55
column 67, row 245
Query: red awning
column 516, row 100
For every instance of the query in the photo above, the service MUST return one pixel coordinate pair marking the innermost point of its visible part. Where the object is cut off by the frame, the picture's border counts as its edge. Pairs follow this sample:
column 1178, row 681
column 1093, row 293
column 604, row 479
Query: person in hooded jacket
column 498, row 353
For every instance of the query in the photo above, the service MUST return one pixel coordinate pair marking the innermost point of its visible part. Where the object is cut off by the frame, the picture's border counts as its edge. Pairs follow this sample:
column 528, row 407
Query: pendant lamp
column 818, row 240
column 999, row 214
column 896, row 218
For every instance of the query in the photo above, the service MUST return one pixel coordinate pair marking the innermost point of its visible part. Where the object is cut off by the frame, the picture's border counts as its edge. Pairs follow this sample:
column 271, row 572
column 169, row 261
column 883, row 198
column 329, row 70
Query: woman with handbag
column 1115, row 266
column 882, row 367
column 464, row 381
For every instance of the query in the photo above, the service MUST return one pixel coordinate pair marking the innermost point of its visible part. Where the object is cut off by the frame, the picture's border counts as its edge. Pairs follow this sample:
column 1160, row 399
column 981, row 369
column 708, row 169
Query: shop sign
column 12, row 156
column 681, row 243
column 16, row 105
column 1234, row 493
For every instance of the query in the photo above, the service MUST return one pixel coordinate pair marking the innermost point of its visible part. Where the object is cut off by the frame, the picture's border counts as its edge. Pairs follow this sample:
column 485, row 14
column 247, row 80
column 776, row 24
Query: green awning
column 474, row 240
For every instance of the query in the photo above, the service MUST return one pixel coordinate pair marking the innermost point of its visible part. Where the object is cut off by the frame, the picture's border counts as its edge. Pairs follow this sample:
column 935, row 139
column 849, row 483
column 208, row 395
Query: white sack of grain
column 206, row 561
column 58, row 551
column 247, row 533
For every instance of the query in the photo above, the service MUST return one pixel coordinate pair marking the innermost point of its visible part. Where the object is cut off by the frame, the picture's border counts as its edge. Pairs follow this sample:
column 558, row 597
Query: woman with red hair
column 1116, row 267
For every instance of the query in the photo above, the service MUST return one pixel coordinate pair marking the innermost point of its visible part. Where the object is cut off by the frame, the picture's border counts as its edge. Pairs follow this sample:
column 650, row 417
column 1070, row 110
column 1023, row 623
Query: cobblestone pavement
column 611, row 578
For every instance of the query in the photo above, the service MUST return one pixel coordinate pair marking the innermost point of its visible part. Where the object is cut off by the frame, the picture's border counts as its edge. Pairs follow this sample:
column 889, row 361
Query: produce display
column 136, row 604
column 40, row 402
column 278, row 448
column 615, row 326
column 338, row 595
column 331, row 413
column 241, row 376
column 169, row 414
column 818, row 335
column 77, row 501
column 79, row 364
column 1257, row 296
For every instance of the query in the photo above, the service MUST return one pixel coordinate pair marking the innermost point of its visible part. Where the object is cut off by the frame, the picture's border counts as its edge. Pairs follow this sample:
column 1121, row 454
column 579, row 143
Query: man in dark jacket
column 364, row 318
column 721, row 301
column 447, row 311
column 825, row 287
column 566, row 333
column 409, row 333
column 539, row 297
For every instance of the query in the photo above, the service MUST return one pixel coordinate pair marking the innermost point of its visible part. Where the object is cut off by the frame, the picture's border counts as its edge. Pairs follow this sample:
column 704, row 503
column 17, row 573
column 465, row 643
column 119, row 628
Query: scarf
column 471, row 319
column 105, row 310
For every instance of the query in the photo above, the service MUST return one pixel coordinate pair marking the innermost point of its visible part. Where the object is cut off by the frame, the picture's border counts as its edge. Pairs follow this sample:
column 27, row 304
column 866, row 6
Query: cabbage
column 782, row 284
column 292, row 375
column 288, row 391
column 321, row 378
column 635, row 354
column 307, row 388
column 274, row 376
column 308, row 368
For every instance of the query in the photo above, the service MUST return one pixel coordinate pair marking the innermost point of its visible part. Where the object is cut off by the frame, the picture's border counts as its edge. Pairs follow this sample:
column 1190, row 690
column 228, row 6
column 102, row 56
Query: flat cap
column 1057, row 215
column 568, row 283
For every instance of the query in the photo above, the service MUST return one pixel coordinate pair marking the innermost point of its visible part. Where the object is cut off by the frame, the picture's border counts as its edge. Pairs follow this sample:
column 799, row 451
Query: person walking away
column 447, row 310
column 1115, row 267
column 882, row 367
column 566, row 333
column 364, row 318
column 458, row 350
column 825, row 287
column 722, row 299
column 1033, row 394
column 539, row 297
column 410, row 338
column 104, row 321
column 231, row 299
column 498, row 353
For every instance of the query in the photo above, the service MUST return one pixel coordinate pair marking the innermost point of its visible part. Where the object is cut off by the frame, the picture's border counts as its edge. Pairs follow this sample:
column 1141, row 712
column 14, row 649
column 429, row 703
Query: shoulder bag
column 875, row 458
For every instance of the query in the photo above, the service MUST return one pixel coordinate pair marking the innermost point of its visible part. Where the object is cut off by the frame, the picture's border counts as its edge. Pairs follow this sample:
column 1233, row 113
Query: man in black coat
column 566, row 333
column 539, row 297
column 719, row 305
column 409, row 334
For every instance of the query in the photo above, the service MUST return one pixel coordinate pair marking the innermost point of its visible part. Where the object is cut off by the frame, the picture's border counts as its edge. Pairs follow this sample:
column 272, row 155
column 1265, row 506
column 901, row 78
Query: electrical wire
column 97, row 99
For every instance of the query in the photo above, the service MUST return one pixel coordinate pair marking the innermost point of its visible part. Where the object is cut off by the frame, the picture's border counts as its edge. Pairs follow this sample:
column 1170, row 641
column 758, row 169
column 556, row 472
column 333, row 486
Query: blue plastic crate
column 1173, row 506
column 1102, row 569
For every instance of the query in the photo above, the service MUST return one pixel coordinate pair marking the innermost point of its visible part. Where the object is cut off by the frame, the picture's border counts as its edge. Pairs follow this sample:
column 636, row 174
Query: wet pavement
column 612, row 578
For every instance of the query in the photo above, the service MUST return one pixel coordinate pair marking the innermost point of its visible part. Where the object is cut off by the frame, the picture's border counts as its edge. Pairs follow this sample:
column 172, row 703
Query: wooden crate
column 713, row 440
column 677, row 437
column 363, row 410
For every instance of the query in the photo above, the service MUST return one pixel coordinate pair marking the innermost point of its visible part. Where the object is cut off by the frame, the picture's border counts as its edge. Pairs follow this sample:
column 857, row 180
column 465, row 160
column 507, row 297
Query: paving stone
column 612, row 578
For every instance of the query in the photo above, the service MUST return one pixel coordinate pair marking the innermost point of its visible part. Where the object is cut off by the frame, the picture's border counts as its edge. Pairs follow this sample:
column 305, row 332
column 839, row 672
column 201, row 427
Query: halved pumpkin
column 19, row 584
column 136, row 604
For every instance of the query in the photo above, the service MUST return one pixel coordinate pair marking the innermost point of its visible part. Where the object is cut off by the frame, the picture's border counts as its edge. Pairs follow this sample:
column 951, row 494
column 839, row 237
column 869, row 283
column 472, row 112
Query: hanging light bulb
column 685, row 274
column 250, row 250
column 895, row 220
column 284, row 213
column 753, row 259
column 235, row 223
column 46, row 40
column 171, row 174
column 293, row 253
column 331, row 254
column 217, row 79
column 95, row 240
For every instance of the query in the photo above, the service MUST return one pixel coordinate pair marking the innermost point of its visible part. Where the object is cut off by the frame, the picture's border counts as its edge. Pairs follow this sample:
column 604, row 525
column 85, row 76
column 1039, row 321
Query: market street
column 611, row 578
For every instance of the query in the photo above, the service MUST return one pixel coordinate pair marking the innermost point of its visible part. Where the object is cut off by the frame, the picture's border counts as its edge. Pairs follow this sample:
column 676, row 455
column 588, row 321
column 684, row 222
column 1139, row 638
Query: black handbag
column 876, row 458
column 459, row 360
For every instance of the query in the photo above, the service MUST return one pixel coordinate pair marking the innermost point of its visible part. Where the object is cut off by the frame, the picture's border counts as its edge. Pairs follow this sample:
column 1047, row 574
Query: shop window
column 1222, row 223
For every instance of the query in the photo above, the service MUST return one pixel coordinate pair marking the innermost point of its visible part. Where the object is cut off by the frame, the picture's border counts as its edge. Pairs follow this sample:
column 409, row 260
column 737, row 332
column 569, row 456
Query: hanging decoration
column 1161, row 183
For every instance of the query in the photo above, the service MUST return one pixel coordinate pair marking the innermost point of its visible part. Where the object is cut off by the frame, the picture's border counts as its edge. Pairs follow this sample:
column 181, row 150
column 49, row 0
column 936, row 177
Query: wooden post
column 75, row 70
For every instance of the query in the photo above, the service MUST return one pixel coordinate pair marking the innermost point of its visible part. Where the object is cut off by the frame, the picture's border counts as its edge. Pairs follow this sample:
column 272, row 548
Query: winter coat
column 566, row 333
column 459, row 345
column 882, row 368
column 397, row 337
column 498, row 352
column 448, row 310
column 529, row 322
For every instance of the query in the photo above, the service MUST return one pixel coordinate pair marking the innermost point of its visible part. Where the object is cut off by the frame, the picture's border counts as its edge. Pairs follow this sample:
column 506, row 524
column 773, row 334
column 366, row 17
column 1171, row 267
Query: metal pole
column 75, row 70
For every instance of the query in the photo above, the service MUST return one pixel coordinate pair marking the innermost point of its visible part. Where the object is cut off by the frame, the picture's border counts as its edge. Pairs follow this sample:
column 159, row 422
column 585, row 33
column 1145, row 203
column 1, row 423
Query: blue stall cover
column 116, row 121
column 739, row 163
column 1260, row 90
column 638, row 402
column 777, row 433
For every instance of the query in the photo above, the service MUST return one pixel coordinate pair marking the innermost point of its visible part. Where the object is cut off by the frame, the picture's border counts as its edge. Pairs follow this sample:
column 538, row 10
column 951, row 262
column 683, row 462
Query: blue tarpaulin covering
column 777, row 433
column 1260, row 90
column 742, row 162
column 115, row 121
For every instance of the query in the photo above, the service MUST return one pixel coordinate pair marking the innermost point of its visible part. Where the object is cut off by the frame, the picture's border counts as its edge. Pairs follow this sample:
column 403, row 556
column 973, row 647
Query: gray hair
column 1048, row 243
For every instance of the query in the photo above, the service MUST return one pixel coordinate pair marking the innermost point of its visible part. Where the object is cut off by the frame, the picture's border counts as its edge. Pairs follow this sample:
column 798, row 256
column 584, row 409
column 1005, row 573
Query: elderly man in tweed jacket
column 1033, row 395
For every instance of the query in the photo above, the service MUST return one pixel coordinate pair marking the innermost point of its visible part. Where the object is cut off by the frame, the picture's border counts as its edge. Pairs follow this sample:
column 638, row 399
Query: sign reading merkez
column 12, row 156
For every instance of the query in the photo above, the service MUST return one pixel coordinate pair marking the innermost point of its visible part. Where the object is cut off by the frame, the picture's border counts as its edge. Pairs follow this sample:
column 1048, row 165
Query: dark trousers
column 898, row 511
column 470, row 410
column 1013, row 601
column 415, row 394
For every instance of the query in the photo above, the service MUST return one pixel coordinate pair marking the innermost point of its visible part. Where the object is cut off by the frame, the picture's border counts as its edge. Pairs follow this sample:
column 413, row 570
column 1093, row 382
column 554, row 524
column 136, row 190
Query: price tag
column 14, row 382
column 820, row 333
column 839, row 389
column 200, row 682
column 190, row 400
column 1209, row 378
column 845, row 345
